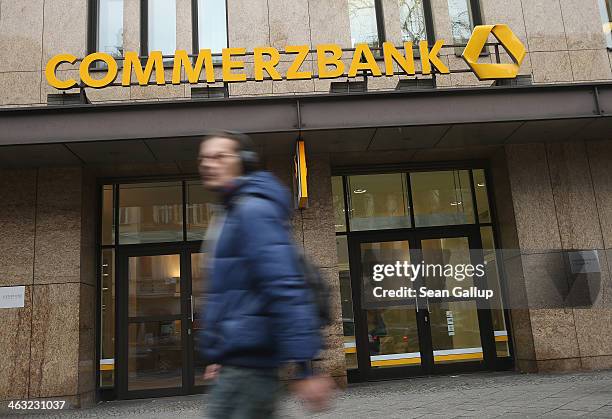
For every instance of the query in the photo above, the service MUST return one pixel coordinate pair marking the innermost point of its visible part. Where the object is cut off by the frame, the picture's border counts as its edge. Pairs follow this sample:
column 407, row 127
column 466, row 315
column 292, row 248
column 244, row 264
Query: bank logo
column 489, row 71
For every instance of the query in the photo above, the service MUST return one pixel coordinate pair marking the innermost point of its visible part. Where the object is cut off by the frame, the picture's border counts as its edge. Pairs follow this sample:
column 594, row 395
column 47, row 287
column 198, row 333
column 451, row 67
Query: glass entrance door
column 411, row 335
column 159, row 290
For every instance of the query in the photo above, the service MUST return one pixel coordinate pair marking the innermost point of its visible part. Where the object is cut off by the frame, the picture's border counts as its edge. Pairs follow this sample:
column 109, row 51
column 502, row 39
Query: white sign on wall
column 12, row 297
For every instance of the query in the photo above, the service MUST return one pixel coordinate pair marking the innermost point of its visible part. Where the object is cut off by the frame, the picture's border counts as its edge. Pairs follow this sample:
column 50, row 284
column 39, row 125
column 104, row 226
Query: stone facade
column 555, row 197
column 564, row 39
column 47, row 241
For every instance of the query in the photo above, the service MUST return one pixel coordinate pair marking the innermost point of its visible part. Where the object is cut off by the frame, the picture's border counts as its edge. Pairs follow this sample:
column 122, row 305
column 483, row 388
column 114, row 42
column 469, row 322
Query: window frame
column 607, row 4
column 144, row 31
column 430, row 31
column 93, row 29
column 380, row 22
column 195, row 27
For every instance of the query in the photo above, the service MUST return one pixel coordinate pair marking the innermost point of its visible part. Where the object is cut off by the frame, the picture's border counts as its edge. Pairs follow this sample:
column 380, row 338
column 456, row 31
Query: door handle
column 191, row 306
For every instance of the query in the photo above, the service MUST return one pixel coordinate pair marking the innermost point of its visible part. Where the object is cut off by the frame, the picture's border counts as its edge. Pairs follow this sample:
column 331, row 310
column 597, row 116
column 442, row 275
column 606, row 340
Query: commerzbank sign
column 329, row 63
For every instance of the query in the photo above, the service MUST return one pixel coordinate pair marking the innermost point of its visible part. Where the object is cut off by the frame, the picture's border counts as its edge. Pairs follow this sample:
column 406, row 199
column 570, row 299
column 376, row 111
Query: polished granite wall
column 553, row 197
column 47, row 245
column 564, row 39
column 314, row 230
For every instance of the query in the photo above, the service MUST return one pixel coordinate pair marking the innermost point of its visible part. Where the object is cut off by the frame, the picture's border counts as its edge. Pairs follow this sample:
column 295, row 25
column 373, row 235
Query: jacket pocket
column 248, row 333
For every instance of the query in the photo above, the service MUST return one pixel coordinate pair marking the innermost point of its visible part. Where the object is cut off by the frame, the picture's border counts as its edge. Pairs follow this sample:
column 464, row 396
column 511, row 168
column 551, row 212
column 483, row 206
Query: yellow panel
column 457, row 357
column 389, row 362
column 501, row 338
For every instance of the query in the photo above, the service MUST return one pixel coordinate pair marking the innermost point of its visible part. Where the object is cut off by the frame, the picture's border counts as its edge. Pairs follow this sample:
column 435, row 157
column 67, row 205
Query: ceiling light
column 358, row 191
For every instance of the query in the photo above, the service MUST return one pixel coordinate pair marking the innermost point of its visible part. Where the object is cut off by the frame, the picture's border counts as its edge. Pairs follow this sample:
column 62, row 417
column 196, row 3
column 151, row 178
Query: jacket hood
column 265, row 185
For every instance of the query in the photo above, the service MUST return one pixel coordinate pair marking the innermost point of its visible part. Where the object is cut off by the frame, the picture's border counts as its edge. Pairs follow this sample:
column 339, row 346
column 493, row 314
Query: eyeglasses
column 216, row 157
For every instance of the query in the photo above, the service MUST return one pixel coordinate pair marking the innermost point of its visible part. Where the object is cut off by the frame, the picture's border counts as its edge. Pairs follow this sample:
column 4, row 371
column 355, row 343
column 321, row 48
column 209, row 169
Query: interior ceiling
column 351, row 146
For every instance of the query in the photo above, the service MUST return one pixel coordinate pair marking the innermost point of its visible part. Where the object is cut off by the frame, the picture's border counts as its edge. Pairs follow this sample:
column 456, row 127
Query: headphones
column 249, row 159
column 246, row 149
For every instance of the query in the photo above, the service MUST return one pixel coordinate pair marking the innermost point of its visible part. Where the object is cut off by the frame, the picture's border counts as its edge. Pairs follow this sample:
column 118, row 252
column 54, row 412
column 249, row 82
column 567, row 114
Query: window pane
column 412, row 20
column 200, row 205
column 346, row 298
column 482, row 198
column 338, row 198
column 107, row 320
column 393, row 338
column 493, row 283
column 110, row 27
column 108, row 215
column 212, row 25
column 455, row 332
column 150, row 212
column 154, row 285
column 378, row 202
column 364, row 28
column 155, row 355
column 605, row 9
column 442, row 198
column 460, row 15
column 162, row 26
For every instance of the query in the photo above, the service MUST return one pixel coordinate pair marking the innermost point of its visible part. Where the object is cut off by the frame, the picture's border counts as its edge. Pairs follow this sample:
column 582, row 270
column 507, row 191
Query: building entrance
column 439, row 218
column 159, row 294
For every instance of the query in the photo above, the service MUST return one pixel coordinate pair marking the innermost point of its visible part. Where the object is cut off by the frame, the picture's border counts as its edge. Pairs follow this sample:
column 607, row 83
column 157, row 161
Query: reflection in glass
column 162, row 26
column 150, row 212
column 155, row 355
column 338, row 202
column 364, row 28
column 378, row 202
column 453, row 251
column 346, row 298
column 493, row 283
column 110, row 27
column 455, row 332
column 200, row 206
column 412, row 20
column 212, row 25
column 384, row 253
column 460, row 14
column 442, row 198
column 154, row 285
column 108, row 215
column 605, row 10
column 107, row 319
column 482, row 198
column 393, row 338
column 198, row 292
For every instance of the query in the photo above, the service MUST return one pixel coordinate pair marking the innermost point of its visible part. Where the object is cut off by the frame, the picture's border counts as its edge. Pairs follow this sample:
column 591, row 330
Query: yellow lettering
column 52, row 67
column 335, row 60
column 294, row 73
column 363, row 50
column 391, row 54
column 269, row 66
column 181, row 60
column 429, row 57
column 155, row 61
column 111, row 70
column 228, row 65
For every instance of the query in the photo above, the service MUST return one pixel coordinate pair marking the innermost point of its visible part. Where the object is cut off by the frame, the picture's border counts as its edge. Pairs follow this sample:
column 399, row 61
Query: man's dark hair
column 245, row 148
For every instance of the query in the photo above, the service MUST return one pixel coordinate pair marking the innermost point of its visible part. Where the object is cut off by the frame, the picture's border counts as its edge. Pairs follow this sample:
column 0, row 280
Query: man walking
column 259, row 312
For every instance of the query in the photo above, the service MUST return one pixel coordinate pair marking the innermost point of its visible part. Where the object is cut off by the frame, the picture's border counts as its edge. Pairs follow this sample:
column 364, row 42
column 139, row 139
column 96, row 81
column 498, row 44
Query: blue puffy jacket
column 259, row 311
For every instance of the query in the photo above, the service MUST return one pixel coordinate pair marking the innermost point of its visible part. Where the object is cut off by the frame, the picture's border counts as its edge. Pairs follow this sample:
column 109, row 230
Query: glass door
column 158, row 311
column 398, row 334
column 459, row 321
column 390, row 335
